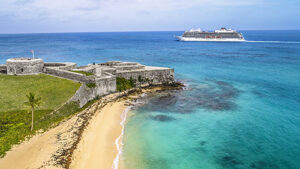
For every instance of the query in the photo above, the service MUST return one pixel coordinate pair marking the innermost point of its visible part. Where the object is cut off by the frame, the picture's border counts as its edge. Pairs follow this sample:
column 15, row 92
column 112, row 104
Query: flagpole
column 32, row 51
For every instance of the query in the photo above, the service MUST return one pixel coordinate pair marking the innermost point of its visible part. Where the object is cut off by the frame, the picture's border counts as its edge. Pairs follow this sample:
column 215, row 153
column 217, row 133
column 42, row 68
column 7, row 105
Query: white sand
column 97, row 148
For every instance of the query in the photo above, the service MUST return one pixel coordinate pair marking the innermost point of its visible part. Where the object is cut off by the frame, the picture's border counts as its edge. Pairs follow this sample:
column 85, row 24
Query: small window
column 22, row 70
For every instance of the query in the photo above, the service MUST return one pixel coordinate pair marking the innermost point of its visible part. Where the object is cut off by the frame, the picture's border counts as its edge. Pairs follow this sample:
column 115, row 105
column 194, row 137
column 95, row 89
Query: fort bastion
column 103, row 75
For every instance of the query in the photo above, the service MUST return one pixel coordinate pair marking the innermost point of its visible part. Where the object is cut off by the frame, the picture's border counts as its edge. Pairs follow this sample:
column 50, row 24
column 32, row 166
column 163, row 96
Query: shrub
column 132, row 82
column 140, row 79
column 90, row 85
column 124, row 84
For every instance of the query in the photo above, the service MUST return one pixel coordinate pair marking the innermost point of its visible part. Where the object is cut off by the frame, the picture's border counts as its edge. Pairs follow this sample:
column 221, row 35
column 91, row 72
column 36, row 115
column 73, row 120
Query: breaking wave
column 118, row 141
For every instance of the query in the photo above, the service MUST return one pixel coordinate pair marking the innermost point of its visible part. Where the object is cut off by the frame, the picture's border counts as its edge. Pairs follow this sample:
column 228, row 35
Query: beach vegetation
column 16, row 121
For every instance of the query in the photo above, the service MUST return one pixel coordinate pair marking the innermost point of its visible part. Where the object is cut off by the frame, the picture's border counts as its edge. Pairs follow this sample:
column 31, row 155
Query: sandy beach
column 90, row 139
column 37, row 151
column 97, row 149
column 93, row 131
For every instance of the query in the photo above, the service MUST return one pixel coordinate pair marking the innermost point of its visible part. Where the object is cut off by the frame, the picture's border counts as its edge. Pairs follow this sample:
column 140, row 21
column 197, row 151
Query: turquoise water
column 241, row 107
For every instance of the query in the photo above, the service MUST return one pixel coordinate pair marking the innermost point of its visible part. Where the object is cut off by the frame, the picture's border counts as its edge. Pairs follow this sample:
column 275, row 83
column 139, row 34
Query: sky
column 40, row 16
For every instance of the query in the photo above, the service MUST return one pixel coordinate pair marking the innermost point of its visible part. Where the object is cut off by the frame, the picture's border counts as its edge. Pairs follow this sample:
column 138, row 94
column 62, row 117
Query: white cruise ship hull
column 209, row 39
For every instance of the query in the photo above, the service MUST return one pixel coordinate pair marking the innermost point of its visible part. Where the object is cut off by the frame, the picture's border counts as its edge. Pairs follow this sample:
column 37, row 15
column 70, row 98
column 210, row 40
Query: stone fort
column 103, row 75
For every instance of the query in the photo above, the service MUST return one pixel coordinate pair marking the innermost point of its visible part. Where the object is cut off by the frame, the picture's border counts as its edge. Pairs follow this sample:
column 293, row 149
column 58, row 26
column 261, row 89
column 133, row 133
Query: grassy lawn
column 15, row 118
column 82, row 72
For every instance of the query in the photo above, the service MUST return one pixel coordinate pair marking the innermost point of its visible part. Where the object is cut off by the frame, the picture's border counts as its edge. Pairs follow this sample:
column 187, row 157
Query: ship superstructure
column 223, row 34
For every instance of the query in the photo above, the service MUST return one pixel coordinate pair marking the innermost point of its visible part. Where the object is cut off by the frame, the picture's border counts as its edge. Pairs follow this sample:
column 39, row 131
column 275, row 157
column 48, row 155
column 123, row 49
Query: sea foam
column 118, row 141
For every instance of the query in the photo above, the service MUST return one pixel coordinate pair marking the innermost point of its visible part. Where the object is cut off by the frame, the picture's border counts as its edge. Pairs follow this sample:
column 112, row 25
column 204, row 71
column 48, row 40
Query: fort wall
column 106, row 85
column 83, row 95
column 153, row 75
column 103, row 86
column 103, row 81
column 70, row 75
column 24, row 66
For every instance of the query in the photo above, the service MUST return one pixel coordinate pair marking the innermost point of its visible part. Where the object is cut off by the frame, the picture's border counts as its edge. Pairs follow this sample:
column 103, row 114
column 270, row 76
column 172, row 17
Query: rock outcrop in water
column 162, row 118
column 216, row 96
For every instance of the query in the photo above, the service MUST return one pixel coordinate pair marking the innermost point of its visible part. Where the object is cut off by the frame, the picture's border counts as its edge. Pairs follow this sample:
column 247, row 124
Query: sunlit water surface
column 241, row 107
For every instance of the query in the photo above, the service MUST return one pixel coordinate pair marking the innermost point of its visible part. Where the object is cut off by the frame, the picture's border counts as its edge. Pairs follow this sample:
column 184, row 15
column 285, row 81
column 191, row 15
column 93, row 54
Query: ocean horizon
column 240, row 108
column 137, row 31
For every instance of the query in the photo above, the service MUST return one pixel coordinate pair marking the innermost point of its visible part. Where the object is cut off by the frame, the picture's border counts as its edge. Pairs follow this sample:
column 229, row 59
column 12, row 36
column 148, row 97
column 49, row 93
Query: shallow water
column 241, row 108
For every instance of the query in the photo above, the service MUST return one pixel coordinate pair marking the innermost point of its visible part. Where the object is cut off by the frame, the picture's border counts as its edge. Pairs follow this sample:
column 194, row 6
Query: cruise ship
column 222, row 35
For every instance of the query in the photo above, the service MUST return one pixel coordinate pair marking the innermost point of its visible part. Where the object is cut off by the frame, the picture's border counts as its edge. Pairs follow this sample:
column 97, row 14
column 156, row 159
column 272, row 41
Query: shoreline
column 119, row 141
column 59, row 144
column 101, row 143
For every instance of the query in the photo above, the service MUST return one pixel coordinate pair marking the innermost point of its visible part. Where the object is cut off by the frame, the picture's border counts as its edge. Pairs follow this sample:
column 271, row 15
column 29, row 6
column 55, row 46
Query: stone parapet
column 69, row 75
column 63, row 66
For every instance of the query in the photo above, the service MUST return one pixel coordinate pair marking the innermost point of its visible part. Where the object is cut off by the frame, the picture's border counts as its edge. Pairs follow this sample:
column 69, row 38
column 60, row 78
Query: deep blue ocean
column 240, row 109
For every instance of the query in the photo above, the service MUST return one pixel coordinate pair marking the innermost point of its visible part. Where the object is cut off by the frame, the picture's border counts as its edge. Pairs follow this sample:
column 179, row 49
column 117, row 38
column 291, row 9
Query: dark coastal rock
column 258, row 93
column 215, row 96
column 264, row 165
column 162, row 118
column 228, row 157
column 165, row 100
column 202, row 143
column 157, row 163
column 230, row 161
column 218, row 96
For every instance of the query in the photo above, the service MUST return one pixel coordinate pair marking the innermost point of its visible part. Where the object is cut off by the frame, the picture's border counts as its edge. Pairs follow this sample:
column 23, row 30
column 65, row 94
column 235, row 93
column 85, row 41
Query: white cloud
column 63, row 10
column 108, row 13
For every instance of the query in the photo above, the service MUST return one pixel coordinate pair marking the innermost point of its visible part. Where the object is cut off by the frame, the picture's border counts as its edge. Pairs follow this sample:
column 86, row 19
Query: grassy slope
column 15, row 119
column 54, row 91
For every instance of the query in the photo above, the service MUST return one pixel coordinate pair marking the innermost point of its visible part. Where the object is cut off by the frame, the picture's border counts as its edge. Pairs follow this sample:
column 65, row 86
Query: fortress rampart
column 102, row 81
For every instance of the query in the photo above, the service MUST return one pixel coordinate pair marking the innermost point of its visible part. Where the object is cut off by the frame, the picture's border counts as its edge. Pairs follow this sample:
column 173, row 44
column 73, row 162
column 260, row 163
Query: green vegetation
column 140, row 79
column 54, row 91
column 15, row 120
column 82, row 72
column 90, row 85
column 32, row 103
column 124, row 84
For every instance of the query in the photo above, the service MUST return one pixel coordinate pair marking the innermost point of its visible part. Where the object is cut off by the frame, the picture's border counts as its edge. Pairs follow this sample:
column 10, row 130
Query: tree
column 140, row 79
column 32, row 103
column 132, row 82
